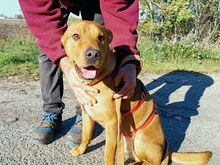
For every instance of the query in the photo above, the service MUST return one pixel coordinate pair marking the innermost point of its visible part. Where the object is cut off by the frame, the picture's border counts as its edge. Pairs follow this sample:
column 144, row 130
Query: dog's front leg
column 111, row 142
column 87, row 132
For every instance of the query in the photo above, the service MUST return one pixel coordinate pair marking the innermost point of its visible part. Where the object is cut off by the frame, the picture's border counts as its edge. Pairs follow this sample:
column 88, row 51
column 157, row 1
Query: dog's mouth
column 88, row 73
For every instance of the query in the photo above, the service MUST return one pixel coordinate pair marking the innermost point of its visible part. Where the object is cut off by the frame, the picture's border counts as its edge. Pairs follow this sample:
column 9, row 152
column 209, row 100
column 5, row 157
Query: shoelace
column 51, row 117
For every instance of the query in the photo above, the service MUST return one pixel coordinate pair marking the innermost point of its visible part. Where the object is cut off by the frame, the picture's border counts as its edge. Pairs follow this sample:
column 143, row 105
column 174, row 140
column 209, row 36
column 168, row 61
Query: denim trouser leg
column 51, row 81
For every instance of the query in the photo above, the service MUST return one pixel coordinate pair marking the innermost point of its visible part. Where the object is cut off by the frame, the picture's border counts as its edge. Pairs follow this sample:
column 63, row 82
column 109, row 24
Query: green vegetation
column 180, row 34
column 177, row 19
column 163, row 56
column 18, row 56
column 173, row 35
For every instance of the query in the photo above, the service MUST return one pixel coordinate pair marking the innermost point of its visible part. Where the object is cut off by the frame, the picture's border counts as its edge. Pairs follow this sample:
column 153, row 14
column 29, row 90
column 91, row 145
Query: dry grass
column 12, row 28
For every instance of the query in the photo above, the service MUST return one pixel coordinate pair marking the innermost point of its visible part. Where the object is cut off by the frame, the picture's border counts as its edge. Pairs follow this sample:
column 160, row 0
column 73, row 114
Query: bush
column 174, row 19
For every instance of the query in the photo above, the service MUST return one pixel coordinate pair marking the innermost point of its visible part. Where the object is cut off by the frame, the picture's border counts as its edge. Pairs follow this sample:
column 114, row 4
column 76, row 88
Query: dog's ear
column 108, row 34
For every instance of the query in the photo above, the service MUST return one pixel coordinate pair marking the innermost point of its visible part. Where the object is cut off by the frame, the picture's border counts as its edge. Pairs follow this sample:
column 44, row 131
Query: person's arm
column 45, row 20
column 121, row 17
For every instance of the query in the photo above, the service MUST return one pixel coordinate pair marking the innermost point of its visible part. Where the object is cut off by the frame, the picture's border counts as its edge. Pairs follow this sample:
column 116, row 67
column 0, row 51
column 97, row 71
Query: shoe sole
column 40, row 142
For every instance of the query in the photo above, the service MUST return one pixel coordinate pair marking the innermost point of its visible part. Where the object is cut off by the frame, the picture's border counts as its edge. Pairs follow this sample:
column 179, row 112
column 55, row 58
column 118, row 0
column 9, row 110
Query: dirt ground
column 188, row 103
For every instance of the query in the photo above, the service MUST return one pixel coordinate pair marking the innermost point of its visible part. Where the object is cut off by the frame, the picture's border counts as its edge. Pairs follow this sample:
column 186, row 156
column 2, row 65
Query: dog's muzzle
column 92, row 55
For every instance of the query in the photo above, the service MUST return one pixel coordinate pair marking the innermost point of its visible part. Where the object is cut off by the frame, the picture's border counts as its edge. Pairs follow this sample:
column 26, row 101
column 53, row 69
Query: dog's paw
column 76, row 151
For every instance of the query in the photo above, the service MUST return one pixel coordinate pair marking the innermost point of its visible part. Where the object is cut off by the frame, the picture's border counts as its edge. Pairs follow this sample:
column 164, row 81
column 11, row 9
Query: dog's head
column 87, row 45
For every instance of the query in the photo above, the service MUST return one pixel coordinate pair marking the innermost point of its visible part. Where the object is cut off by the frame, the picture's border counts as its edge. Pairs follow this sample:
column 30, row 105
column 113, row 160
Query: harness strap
column 137, row 106
column 146, row 123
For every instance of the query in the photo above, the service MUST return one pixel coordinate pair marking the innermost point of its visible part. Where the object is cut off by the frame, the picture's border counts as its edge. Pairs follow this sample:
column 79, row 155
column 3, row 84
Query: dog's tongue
column 89, row 72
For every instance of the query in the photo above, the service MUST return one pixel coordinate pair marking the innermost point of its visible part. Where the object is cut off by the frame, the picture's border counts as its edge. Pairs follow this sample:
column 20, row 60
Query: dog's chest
column 105, row 106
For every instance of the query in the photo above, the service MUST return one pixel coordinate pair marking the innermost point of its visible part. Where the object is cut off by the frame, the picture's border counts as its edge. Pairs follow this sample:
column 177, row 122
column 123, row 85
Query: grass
column 19, row 57
column 166, row 56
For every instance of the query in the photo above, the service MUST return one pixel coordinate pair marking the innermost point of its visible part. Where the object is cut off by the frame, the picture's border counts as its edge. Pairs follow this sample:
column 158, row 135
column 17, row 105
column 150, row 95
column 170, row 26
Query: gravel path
column 188, row 103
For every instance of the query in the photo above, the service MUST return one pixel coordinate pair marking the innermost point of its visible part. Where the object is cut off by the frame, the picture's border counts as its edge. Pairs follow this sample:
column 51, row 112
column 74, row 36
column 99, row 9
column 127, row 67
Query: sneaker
column 44, row 133
column 74, row 136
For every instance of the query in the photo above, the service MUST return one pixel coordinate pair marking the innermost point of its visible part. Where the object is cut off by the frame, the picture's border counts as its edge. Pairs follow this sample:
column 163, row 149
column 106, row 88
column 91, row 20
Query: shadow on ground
column 176, row 116
column 68, row 123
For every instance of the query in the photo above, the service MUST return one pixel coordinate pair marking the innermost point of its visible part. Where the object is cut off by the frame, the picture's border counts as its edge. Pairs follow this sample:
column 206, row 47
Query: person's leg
column 91, row 11
column 73, row 138
column 51, row 82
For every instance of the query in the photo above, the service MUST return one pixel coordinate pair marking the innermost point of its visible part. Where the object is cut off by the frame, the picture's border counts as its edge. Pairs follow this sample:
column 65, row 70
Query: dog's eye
column 101, row 38
column 76, row 36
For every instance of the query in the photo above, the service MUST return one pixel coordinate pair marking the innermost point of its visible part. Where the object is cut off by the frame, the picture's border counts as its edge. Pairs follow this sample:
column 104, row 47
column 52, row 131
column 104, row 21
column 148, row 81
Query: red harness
column 134, row 109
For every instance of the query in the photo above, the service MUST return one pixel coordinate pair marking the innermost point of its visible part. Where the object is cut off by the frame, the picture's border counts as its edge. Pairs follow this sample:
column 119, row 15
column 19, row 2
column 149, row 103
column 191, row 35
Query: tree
column 175, row 19
column 18, row 16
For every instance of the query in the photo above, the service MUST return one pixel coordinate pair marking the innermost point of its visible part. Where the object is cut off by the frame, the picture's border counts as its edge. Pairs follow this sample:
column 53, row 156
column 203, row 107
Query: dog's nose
column 92, row 54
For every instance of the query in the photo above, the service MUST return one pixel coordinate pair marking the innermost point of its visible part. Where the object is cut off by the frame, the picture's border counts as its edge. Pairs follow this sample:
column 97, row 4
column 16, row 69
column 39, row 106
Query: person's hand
column 127, row 74
column 81, row 90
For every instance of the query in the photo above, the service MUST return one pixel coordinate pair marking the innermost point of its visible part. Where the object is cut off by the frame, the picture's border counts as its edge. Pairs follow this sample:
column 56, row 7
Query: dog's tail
column 191, row 158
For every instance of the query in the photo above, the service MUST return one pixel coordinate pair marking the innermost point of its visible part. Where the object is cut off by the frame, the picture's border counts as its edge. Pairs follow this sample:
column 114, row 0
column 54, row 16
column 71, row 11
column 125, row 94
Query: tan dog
column 87, row 46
